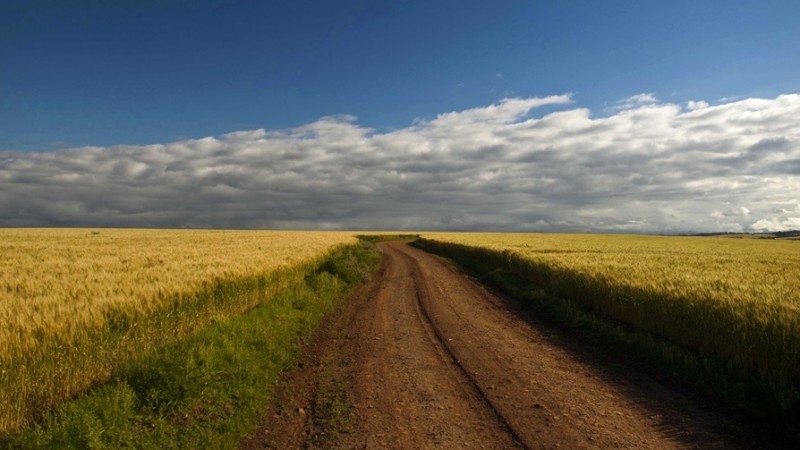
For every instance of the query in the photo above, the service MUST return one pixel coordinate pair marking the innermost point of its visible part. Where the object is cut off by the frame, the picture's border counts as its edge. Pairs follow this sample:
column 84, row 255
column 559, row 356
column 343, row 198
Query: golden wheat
column 734, row 298
column 62, row 292
column 725, row 269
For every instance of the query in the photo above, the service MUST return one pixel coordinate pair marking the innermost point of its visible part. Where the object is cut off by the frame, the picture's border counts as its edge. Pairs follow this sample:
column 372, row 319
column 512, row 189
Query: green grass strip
column 210, row 389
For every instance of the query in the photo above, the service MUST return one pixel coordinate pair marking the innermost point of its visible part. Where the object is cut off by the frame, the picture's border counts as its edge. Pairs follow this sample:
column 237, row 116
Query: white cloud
column 792, row 223
column 244, row 136
column 642, row 99
column 655, row 167
column 768, row 225
column 693, row 105
column 635, row 101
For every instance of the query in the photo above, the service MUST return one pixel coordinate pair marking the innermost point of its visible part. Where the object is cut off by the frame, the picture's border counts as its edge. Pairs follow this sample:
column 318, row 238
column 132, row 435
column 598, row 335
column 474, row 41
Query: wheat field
column 76, row 303
column 738, row 299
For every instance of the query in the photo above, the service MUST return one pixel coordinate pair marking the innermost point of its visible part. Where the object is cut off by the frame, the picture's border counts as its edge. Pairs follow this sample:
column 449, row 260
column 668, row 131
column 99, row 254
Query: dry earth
column 429, row 359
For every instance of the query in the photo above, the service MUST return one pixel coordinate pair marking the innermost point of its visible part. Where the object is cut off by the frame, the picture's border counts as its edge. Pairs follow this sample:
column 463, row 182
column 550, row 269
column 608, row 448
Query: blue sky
column 137, row 72
column 578, row 116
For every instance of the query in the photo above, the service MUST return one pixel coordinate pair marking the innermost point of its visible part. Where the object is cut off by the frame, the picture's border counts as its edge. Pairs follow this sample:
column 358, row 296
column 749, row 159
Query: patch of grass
column 209, row 389
column 332, row 410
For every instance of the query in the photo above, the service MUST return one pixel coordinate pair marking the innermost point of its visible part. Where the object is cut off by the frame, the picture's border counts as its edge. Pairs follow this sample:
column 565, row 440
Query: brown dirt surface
column 427, row 358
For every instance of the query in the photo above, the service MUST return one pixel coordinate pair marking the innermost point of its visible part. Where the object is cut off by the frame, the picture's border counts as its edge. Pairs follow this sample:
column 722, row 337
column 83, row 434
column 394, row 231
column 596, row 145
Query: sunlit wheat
column 76, row 303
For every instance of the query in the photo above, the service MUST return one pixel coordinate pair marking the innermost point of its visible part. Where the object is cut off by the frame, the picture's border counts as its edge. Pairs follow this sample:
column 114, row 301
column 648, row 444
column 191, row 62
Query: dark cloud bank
column 649, row 167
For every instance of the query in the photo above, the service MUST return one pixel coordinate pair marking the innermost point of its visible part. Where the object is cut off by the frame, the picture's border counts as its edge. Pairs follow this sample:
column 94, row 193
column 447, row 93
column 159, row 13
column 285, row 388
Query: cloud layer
column 649, row 167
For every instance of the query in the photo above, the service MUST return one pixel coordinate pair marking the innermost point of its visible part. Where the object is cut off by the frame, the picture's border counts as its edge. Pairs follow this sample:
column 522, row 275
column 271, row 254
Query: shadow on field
column 687, row 416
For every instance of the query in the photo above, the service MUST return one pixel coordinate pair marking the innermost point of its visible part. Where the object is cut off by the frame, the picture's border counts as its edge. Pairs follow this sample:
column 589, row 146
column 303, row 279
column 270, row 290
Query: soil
column 424, row 357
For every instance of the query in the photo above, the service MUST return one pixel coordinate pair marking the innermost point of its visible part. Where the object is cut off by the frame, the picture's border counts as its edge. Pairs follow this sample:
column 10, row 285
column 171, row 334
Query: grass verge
column 209, row 389
column 774, row 404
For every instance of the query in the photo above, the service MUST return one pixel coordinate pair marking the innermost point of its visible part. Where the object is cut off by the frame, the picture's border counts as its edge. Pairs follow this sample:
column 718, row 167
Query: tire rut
column 408, row 391
column 421, row 292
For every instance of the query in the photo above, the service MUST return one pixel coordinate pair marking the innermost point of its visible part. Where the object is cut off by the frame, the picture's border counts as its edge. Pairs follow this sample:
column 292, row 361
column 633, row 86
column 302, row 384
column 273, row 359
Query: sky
column 573, row 116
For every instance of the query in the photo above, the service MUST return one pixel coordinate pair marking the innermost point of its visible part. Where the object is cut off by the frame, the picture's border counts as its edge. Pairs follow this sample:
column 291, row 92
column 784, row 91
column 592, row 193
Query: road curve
column 440, row 362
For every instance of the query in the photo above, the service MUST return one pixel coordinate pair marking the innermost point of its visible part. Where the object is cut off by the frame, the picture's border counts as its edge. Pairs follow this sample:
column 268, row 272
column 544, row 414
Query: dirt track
column 433, row 360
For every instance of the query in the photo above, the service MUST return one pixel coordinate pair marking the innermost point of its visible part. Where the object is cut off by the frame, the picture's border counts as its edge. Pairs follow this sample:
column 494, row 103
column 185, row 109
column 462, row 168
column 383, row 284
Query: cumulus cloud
column 774, row 224
column 649, row 167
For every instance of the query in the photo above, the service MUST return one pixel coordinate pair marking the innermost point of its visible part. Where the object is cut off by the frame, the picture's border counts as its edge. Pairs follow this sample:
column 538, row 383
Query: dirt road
column 433, row 360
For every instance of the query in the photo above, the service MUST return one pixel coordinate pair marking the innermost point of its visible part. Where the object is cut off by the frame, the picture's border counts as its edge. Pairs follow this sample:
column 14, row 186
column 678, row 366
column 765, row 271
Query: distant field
column 738, row 299
column 75, row 303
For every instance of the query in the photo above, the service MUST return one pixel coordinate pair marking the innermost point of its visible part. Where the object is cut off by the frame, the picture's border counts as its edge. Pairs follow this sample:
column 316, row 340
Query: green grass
column 207, row 390
column 332, row 408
